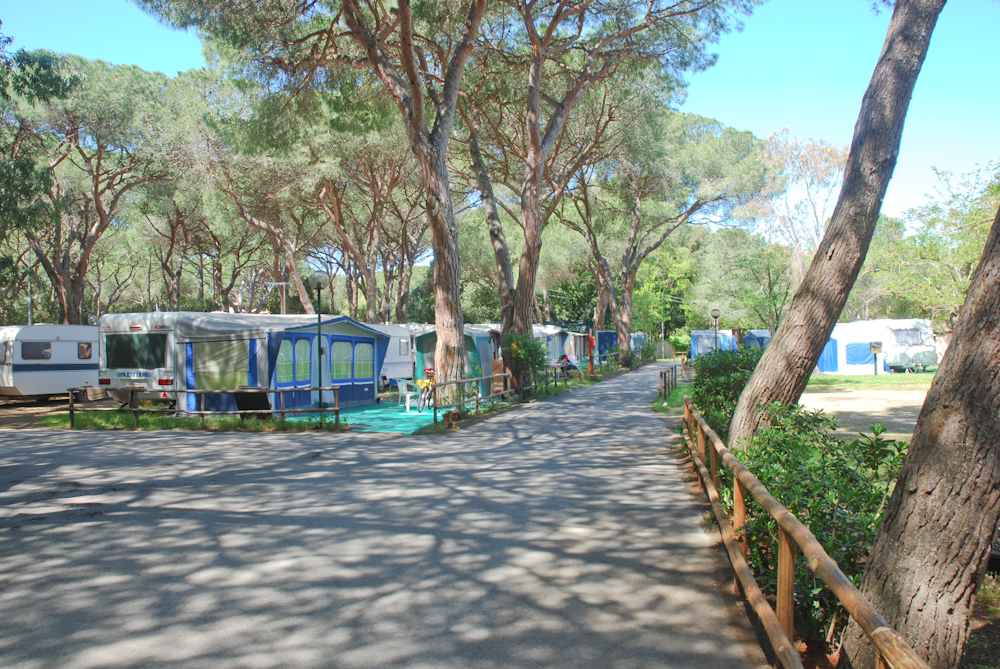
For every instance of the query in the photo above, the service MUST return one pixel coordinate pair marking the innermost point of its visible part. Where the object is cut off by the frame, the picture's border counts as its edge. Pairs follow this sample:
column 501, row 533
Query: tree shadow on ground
column 555, row 536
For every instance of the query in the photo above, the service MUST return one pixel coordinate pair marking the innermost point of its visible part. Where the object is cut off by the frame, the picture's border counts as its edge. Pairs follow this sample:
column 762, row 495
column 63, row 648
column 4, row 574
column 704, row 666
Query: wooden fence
column 133, row 404
column 668, row 381
column 892, row 649
column 474, row 397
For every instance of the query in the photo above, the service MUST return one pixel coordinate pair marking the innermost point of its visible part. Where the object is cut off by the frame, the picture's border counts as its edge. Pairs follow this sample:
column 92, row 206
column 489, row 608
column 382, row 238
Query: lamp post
column 316, row 281
column 715, row 316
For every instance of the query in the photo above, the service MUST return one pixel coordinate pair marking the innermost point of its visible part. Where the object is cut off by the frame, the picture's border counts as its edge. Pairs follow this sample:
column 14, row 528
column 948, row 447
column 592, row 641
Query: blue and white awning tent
column 283, row 354
column 703, row 341
column 223, row 351
column 904, row 341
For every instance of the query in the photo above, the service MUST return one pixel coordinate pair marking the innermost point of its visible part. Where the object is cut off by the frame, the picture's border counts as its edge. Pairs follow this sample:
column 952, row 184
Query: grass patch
column 835, row 382
column 675, row 400
column 116, row 420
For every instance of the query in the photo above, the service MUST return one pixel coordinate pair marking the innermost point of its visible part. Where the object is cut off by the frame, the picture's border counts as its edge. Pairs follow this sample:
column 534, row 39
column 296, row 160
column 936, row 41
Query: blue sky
column 800, row 64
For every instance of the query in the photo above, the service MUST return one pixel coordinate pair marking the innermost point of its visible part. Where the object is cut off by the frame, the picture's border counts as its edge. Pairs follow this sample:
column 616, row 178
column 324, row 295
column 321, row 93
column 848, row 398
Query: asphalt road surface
column 560, row 534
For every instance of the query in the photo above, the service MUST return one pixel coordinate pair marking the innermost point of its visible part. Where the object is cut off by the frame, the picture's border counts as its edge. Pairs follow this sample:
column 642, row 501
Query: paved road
column 556, row 535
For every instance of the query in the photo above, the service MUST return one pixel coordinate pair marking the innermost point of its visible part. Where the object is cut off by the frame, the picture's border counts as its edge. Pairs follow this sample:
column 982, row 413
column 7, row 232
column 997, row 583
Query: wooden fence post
column 72, row 416
column 281, row 394
column 701, row 442
column 434, row 402
column 133, row 402
column 739, row 511
column 714, row 455
column 336, row 409
column 785, row 609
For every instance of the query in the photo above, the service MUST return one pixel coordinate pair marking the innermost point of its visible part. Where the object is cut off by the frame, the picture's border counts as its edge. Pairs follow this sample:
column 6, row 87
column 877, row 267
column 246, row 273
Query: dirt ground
column 856, row 409
column 23, row 413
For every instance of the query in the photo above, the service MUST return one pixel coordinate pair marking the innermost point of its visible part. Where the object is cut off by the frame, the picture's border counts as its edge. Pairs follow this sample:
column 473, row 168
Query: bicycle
column 426, row 397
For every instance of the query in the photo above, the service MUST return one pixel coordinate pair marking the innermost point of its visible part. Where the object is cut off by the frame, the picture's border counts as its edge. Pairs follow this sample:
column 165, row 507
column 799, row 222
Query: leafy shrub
column 719, row 379
column 629, row 359
column 680, row 340
column 648, row 350
column 837, row 488
column 524, row 353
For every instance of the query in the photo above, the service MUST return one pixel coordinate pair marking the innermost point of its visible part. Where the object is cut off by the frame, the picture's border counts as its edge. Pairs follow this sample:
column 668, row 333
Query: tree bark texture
column 430, row 148
column 932, row 548
column 501, row 252
column 794, row 351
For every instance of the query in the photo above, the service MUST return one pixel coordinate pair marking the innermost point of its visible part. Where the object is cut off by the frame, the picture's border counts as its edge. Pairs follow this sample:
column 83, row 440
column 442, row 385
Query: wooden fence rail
column 892, row 649
column 135, row 409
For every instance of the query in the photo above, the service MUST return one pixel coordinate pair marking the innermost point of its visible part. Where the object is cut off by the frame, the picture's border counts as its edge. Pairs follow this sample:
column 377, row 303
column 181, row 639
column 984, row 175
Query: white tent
column 903, row 341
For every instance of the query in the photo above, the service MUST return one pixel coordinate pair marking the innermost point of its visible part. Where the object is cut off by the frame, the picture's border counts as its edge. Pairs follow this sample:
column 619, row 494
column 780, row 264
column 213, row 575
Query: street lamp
column 715, row 316
column 316, row 282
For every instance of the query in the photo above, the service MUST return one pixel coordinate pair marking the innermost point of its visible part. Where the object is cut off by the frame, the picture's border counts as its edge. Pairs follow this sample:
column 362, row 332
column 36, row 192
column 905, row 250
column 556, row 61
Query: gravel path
column 560, row 534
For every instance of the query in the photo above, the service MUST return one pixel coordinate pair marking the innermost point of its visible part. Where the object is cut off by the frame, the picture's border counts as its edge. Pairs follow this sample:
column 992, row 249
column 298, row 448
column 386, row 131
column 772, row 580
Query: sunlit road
column 556, row 535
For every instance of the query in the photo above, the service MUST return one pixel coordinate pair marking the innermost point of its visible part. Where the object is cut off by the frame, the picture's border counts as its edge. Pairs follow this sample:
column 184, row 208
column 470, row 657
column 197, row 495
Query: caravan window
column 84, row 350
column 302, row 364
column 136, row 351
column 340, row 360
column 36, row 350
column 404, row 347
column 285, row 369
column 908, row 337
column 4, row 347
column 364, row 361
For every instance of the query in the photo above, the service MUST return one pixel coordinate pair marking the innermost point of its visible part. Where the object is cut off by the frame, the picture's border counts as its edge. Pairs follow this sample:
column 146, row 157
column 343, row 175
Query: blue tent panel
column 606, row 339
column 859, row 353
column 828, row 359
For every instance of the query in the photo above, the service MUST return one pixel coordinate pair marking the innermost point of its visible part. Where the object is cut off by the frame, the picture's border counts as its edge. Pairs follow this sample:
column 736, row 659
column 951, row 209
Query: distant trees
column 101, row 143
column 679, row 170
column 748, row 277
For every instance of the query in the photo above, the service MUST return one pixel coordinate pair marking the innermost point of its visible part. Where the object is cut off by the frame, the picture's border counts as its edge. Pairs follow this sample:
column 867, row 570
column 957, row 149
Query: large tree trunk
column 449, row 353
column 933, row 545
column 501, row 252
column 352, row 290
column 524, row 293
column 403, row 292
column 624, row 321
column 794, row 351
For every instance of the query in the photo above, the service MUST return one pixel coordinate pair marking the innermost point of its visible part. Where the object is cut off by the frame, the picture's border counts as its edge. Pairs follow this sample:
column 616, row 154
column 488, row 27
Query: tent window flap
column 285, row 368
column 221, row 365
column 302, row 362
column 364, row 361
column 340, row 360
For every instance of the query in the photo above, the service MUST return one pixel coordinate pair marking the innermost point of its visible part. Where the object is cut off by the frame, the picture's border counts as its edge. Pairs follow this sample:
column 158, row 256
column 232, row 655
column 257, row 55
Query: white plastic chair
column 407, row 389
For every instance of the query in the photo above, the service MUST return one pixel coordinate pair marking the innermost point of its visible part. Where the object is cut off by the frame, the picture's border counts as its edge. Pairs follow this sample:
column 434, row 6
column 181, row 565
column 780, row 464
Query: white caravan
column 44, row 360
column 398, row 362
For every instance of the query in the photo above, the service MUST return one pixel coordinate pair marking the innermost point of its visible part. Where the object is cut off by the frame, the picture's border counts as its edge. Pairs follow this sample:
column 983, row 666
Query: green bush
column 719, row 379
column 837, row 488
column 524, row 353
column 680, row 340
column 629, row 358
column 648, row 350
